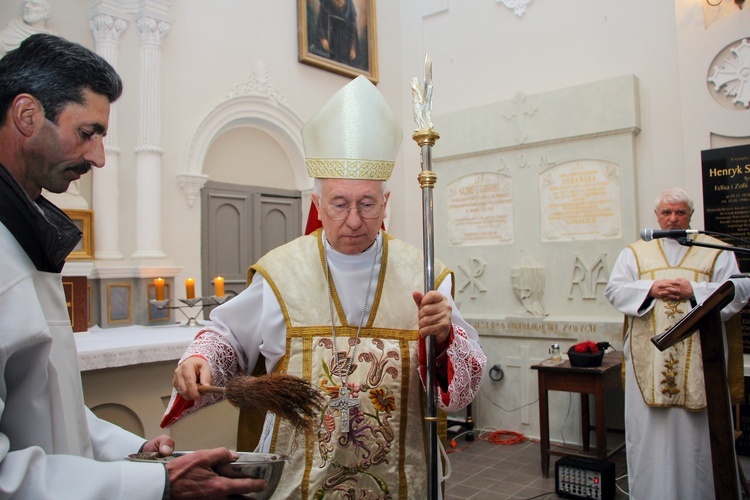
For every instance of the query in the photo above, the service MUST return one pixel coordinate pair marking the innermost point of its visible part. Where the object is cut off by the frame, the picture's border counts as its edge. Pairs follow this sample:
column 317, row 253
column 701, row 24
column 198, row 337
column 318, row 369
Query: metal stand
column 213, row 300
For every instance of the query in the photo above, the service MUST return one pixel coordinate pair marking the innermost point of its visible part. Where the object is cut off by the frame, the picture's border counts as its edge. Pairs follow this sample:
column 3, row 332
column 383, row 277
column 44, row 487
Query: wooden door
column 239, row 224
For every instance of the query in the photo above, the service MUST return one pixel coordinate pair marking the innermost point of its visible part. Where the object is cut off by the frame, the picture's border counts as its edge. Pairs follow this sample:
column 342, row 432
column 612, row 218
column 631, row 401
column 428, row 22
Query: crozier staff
column 341, row 308
column 54, row 109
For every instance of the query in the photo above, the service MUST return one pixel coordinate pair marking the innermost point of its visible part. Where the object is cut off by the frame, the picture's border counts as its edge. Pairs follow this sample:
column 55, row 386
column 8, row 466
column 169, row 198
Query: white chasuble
column 673, row 377
column 382, row 454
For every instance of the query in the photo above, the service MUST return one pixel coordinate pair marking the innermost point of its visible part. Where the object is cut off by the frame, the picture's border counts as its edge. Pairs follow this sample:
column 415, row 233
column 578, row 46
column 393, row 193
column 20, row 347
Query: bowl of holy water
column 268, row 466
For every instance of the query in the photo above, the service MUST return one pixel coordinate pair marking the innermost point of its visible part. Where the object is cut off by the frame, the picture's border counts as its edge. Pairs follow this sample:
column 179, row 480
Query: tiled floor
column 482, row 470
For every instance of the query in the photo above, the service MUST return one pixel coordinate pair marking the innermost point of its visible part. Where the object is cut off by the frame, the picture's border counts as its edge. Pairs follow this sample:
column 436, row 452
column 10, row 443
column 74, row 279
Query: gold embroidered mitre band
column 353, row 136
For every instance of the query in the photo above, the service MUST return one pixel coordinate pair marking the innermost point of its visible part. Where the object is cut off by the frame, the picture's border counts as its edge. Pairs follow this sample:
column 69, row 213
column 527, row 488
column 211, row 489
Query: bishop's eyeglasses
column 366, row 210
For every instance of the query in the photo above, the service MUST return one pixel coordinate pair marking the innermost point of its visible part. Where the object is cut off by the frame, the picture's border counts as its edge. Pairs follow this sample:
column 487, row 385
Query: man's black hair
column 56, row 72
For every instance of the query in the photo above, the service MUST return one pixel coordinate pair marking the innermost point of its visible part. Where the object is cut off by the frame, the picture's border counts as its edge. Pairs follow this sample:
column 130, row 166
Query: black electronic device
column 583, row 477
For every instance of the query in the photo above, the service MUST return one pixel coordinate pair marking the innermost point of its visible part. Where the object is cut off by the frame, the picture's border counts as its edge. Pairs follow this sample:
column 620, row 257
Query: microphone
column 652, row 234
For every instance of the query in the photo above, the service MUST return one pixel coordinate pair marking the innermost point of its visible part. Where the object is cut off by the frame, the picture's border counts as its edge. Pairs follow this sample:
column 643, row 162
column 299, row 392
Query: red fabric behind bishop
column 312, row 220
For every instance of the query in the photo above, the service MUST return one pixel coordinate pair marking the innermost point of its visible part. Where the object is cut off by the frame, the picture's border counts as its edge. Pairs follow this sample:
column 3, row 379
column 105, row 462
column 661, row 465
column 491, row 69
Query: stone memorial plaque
column 580, row 200
column 480, row 210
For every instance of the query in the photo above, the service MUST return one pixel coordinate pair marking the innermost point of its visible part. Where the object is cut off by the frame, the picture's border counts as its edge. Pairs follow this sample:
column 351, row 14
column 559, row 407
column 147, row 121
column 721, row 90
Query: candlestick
column 219, row 286
column 201, row 303
column 159, row 286
column 190, row 288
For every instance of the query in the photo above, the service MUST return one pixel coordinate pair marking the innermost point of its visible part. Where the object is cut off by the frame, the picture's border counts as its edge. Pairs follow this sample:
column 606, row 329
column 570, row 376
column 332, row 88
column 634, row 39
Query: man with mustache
column 55, row 98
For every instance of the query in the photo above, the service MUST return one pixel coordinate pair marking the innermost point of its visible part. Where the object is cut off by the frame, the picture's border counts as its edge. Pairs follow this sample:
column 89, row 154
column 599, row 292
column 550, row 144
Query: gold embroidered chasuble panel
column 673, row 377
column 382, row 456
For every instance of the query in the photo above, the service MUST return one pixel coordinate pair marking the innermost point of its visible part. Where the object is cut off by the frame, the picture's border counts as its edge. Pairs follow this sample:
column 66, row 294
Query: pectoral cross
column 343, row 404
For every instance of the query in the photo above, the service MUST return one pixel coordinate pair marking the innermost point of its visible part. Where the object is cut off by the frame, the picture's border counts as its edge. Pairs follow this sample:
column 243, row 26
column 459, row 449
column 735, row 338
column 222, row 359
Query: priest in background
column 341, row 308
column 654, row 284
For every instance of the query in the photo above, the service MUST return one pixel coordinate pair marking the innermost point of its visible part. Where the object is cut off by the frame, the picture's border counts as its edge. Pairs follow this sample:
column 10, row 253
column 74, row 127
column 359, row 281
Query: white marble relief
column 519, row 108
column 517, row 6
column 528, row 281
column 468, row 278
column 587, row 279
column 33, row 21
column 259, row 83
column 734, row 75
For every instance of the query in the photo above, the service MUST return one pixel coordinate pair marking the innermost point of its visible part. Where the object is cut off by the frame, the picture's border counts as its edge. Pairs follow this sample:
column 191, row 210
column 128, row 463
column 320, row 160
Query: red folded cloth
column 587, row 346
column 175, row 412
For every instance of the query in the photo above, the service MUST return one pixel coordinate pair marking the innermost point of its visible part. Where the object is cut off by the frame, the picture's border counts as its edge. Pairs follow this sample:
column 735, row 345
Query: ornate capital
column 152, row 30
column 107, row 28
column 191, row 185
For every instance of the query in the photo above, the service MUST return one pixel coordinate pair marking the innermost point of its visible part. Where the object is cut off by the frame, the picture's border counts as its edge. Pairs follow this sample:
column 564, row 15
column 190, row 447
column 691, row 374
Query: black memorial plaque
column 726, row 205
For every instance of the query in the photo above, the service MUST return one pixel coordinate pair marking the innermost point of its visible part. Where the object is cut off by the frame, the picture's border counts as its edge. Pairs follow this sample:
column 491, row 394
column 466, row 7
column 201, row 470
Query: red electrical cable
column 495, row 437
column 504, row 437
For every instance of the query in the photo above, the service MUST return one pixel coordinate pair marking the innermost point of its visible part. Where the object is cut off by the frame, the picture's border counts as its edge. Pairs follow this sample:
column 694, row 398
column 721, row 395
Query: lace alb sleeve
column 222, row 359
column 467, row 362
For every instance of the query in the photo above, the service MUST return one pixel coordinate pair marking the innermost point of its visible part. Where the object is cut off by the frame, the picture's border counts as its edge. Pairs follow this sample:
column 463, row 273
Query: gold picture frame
column 326, row 55
column 84, row 219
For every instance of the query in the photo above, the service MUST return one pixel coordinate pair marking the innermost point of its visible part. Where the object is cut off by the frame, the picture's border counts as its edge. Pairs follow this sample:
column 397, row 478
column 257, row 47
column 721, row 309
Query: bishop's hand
column 189, row 374
column 434, row 315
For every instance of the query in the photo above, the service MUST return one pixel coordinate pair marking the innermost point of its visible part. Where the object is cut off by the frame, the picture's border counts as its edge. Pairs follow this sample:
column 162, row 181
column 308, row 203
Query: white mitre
column 353, row 136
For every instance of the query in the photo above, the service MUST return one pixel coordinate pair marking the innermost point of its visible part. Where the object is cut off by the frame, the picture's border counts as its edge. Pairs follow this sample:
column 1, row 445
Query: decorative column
column 106, row 28
column 152, row 29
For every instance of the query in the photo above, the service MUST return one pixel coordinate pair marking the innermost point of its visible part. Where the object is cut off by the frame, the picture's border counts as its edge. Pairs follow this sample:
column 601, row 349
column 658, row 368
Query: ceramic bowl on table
column 268, row 466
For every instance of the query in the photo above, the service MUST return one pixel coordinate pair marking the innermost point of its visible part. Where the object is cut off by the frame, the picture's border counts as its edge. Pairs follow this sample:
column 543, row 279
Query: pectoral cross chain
column 343, row 404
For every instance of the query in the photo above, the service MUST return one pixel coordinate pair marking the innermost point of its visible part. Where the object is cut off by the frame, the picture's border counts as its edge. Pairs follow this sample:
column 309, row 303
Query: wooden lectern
column 706, row 318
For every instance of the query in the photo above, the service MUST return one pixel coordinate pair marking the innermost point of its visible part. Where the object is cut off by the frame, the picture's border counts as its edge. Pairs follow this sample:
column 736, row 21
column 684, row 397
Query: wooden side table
column 598, row 381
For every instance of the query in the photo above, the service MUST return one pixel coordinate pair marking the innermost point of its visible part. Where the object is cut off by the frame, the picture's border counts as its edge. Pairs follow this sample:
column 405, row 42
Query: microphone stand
column 687, row 242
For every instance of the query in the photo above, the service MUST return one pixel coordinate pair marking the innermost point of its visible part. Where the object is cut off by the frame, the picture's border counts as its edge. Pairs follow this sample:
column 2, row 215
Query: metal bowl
column 154, row 456
column 266, row 466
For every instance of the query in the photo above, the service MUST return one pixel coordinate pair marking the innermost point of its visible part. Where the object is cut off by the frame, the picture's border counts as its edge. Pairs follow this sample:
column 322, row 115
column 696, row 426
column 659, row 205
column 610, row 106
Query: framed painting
column 84, row 219
column 339, row 36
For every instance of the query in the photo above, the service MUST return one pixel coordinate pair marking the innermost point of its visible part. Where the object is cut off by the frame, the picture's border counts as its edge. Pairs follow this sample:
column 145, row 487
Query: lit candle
column 190, row 288
column 219, row 286
column 159, row 285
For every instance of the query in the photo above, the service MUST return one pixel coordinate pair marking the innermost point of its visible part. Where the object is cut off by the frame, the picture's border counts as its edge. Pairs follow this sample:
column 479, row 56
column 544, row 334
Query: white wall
column 483, row 53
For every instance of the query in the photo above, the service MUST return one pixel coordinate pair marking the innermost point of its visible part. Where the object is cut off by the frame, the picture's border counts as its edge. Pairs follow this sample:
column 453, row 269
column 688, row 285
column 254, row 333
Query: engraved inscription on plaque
column 580, row 200
column 480, row 210
column 726, row 205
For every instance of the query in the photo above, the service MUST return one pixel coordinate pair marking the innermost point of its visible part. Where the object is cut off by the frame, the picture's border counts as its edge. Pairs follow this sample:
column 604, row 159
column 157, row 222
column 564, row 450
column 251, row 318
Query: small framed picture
column 339, row 36
column 84, row 219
